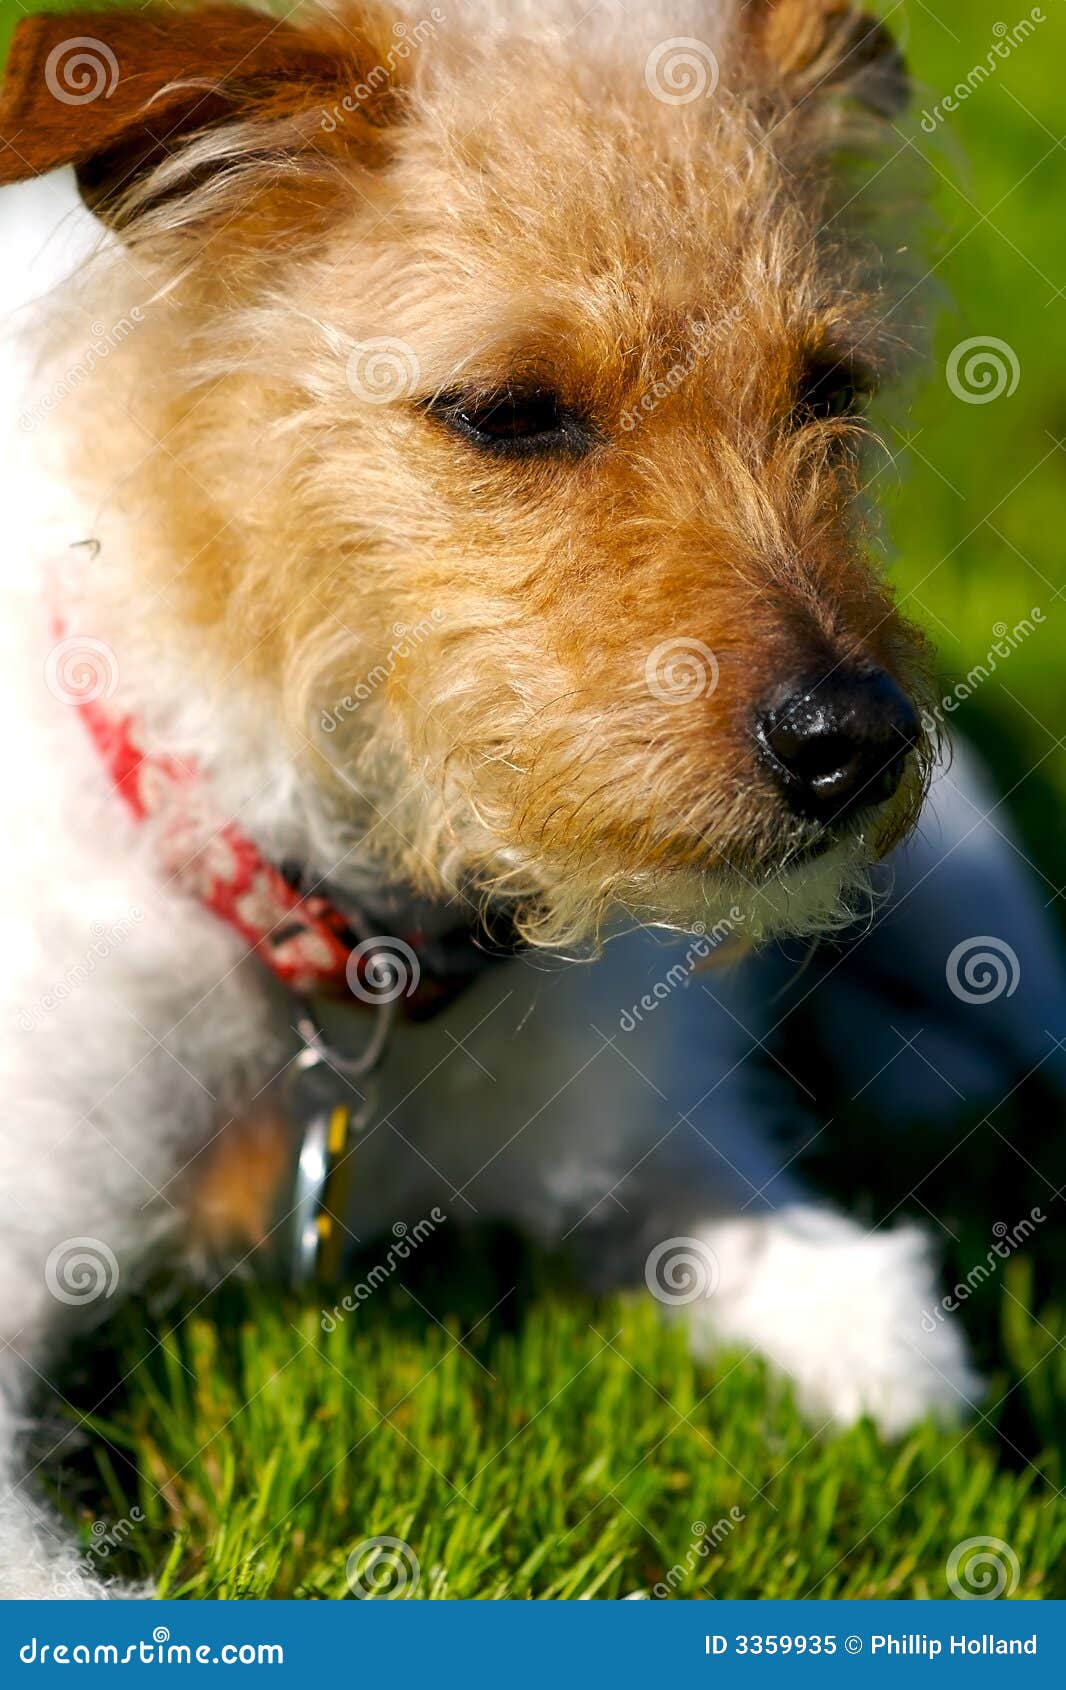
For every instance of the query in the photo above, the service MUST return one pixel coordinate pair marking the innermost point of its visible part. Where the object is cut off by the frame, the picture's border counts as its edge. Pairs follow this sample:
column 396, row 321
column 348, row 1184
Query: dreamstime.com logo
column 983, row 369
column 680, row 671
column 105, row 1537
column 106, row 340
column 406, row 1240
column 982, row 969
column 982, row 1569
column 1007, row 1239
column 157, row 1651
column 681, row 1271
column 1007, row 38
column 406, row 38
column 1006, row 641
column 81, row 670
column 407, row 641
column 81, row 70
column 382, row 969
column 104, row 943
column 681, row 70
column 80, row 1271
column 382, row 1569
column 382, row 371
column 704, row 336
column 704, row 944
column 704, row 1539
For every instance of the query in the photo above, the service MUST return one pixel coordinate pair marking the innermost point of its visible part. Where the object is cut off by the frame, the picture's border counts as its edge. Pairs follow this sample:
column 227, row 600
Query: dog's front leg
column 78, row 1221
column 37, row 1558
column 110, row 1113
column 726, row 1233
column 50, row 1275
column 726, row 1241
column 849, row 1315
column 640, row 1129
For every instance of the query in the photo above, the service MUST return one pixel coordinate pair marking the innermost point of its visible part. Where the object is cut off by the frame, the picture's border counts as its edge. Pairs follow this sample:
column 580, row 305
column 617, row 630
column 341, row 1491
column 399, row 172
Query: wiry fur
column 513, row 205
column 287, row 528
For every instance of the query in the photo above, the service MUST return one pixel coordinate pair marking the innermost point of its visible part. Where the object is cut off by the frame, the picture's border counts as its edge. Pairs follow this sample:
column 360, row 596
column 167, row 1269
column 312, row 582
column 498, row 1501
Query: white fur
column 832, row 1306
column 578, row 1131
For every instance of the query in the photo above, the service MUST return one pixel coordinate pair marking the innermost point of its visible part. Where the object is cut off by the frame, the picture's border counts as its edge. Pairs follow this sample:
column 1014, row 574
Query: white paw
column 840, row 1311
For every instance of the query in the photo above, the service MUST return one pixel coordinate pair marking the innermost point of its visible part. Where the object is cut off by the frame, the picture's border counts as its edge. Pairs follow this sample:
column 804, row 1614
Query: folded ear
column 831, row 46
column 115, row 93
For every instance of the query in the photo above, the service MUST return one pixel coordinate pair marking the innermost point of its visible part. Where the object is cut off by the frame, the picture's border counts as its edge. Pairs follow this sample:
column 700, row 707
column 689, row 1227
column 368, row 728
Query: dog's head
column 510, row 372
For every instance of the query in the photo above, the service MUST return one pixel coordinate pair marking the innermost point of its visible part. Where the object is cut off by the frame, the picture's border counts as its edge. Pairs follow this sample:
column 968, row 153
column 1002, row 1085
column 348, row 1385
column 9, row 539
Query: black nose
column 840, row 744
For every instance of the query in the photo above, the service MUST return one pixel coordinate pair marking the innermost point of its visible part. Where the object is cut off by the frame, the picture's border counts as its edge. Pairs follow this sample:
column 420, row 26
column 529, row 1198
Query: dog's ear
column 116, row 93
column 830, row 46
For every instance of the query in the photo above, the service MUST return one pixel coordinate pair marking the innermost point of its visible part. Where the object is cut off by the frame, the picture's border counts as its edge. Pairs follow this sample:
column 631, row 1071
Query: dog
column 437, row 547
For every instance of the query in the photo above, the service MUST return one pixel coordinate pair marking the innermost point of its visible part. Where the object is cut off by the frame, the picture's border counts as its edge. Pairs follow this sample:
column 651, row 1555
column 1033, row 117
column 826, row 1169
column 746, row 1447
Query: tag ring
column 317, row 1049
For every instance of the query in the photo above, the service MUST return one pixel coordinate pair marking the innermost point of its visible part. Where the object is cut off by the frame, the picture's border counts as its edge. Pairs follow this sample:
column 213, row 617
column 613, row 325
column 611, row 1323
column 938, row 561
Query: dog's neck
column 391, row 944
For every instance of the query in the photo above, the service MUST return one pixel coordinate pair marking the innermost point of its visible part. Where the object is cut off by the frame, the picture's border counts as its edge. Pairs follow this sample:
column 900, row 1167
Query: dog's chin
column 816, row 892
column 813, row 892
column 804, row 893
column 813, row 882
column 801, row 880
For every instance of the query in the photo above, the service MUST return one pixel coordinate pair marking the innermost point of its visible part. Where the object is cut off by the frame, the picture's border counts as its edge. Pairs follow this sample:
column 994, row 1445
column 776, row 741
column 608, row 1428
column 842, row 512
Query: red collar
column 303, row 939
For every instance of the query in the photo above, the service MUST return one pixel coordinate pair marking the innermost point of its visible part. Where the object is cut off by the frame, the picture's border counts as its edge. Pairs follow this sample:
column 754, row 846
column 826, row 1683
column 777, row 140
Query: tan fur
column 239, row 1184
column 523, row 214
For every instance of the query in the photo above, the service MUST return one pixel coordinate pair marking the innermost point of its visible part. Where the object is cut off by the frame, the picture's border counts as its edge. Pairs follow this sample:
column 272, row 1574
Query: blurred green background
column 977, row 512
column 259, row 1457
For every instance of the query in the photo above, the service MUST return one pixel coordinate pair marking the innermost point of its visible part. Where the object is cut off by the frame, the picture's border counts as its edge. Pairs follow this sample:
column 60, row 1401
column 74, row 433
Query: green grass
column 581, row 1454
column 534, row 1458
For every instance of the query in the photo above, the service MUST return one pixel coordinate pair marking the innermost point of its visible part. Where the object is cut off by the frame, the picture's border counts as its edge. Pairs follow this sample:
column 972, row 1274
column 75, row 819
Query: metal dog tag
column 327, row 1155
column 325, row 1171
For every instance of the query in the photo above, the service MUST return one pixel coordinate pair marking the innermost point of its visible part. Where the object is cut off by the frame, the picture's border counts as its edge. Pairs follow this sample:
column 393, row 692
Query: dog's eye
column 832, row 389
column 515, row 424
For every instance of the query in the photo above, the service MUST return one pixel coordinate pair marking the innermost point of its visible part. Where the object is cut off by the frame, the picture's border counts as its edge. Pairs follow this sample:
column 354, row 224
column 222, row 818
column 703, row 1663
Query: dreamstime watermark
column 408, row 37
column 80, row 1271
column 1008, row 37
column 704, row 1539
column 681, row 1271
column 104, row 1539
column 406, row 643
column 381, row 969
column 382, row 1568
column 982, row 1569
column 160, row 1651
column 983, row 969
column 983, row 369
column 81, row 70
column 406, row 1241
column 679, row 671
column 704, row 335
column 704, row 944
column 681, row 70
column 1006, row 641
column 81, row 670
column 104, row 342
column 1007, row 1240
column 383, row 370
column 105, row 942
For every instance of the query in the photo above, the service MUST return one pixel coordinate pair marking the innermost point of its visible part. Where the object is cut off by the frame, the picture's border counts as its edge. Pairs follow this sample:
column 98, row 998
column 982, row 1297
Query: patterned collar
column 306, row 940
